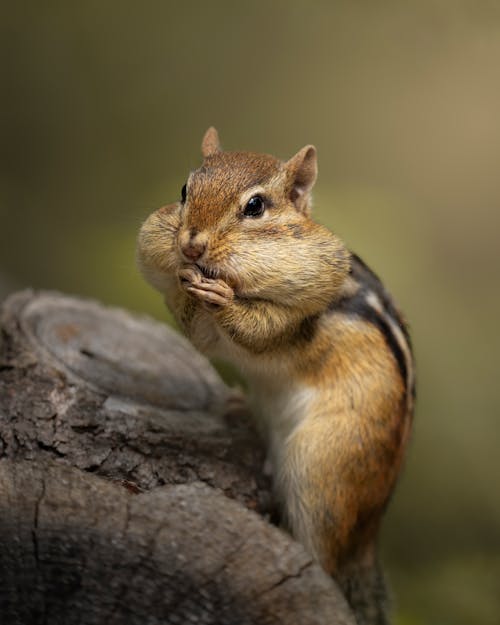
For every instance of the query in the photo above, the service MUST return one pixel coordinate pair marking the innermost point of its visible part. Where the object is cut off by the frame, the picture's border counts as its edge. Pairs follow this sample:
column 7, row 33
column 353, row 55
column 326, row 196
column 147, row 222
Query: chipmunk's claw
column 208, row 290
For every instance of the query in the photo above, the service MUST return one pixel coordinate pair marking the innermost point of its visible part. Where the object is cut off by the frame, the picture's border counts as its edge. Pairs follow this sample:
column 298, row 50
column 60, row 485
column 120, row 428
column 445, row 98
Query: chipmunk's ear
column 210, row 144
column 302, row 170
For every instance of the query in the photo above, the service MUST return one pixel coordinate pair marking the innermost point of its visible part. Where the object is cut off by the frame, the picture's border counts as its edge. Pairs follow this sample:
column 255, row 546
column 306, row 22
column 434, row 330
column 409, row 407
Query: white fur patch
column 280, row 407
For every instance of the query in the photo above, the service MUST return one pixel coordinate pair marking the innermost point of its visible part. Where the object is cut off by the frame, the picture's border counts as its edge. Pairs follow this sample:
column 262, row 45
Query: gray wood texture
column 131, row 484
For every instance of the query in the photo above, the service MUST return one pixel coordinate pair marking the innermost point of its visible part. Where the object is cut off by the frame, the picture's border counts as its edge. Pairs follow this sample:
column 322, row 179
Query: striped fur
column 372, row 302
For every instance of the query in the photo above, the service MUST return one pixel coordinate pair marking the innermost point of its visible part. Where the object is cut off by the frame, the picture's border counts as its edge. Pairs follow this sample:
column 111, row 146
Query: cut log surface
column 131, row 484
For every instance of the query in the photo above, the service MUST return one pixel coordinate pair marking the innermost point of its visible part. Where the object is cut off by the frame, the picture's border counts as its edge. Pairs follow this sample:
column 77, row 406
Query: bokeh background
column 103, row 107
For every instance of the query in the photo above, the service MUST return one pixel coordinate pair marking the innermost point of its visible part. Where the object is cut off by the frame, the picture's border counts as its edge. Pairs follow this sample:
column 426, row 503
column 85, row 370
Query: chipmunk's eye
column 255, row 207
column 183, row 193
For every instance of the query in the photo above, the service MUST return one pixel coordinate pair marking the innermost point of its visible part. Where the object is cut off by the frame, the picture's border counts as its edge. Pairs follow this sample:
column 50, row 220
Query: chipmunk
column 252, row 279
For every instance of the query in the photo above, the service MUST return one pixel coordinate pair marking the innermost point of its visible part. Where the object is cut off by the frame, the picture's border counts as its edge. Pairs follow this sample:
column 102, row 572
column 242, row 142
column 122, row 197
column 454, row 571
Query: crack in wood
column 87, row 352
column 36, row 549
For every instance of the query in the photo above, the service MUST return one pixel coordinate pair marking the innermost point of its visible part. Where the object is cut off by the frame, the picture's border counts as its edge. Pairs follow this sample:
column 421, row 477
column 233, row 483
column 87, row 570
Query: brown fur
column 319, row 339
column 355, row 439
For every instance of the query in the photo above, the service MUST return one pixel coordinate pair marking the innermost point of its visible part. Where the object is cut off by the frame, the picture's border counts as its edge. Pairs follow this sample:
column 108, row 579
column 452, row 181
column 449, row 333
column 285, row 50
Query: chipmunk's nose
column 193, row 244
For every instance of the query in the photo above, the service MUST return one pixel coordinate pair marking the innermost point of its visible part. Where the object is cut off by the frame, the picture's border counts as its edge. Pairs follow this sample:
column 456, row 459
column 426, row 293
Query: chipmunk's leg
column 339, row 466
column 332, row 500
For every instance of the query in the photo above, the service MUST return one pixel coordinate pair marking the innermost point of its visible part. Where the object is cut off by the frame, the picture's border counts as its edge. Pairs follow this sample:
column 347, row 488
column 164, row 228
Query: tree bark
column 131, row 484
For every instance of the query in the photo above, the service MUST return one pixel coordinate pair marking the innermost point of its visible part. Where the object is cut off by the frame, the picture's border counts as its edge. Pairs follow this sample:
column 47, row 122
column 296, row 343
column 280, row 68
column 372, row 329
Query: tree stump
column 131, row 484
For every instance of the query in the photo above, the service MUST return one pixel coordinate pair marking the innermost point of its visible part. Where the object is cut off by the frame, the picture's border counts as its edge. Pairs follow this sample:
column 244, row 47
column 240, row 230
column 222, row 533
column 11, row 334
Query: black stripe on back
column 366, row 277
column 358, row 306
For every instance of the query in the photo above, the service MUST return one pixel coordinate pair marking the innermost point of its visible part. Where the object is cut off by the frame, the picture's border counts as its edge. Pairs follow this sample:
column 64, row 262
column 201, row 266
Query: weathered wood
column 120, row 396
column 129, row 480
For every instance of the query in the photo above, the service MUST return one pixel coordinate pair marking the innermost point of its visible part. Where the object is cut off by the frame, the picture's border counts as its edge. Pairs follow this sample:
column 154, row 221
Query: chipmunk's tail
column 365, row 589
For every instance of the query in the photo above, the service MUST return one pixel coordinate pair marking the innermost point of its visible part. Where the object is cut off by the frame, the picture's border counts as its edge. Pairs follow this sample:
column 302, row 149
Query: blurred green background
column 103, row 108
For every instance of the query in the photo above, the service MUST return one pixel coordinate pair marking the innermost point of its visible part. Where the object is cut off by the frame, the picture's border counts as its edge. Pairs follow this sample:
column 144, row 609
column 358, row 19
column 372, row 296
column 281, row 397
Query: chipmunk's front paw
column 213, row 292
column 189, row 275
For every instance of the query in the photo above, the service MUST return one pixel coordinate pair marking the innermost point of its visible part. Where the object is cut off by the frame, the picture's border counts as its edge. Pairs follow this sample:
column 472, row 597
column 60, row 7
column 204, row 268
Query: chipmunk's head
column 245, row 217
column 238, row 196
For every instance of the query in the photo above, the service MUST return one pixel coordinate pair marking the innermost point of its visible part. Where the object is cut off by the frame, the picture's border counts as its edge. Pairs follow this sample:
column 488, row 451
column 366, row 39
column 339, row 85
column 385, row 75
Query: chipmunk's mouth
column 208, row 272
